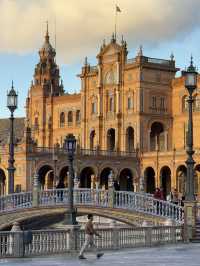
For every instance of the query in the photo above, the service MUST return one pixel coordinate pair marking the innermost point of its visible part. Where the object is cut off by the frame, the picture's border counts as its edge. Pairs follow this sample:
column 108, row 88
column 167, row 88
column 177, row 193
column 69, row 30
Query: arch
column 111, row 139
column 70, row 117
column 45, row 174
column 87, row 177
column 129, row 139
column 104, row 177
column 63, row 177
column 126, row 180
column 110, row 78
column 62, row 119
column 181, row 174
column 2, row 182
column 165, row 180
column 92, row 137
column 149, row 175
column 157, row 138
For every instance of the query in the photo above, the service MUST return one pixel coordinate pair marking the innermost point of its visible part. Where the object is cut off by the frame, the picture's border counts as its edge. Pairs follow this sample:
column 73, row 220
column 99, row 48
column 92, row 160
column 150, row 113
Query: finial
column 86, row 62
column 172, row 56
column 191, row 60
column 191, row 68
column 47, row 32
column 140, row 52
column 12, row 85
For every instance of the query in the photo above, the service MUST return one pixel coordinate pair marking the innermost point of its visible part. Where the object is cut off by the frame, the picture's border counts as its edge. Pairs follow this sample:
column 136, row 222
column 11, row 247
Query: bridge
column 129, row 207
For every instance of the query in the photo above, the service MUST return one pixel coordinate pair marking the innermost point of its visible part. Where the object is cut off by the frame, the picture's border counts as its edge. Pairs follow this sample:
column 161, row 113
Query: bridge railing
column 139, row 202
column 15, row 201
column 44, row 242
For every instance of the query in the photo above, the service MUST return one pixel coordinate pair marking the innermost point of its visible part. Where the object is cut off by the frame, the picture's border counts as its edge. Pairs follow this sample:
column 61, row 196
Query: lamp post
column 12, row 105
column 70, row 147
column 190, row 84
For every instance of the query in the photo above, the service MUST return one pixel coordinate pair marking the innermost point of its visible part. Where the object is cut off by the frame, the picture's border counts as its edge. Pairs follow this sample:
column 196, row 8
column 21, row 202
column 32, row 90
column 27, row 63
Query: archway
column 86, row 176
column 111, row 139
column 149, row 175
column 63, row 177
column 46, row 177
column 92, row 136
column 165, row 180
column 104, row 177
column 157, row 140
column 129, row 139
column 2, row 182
column 126, row 180
column 181, row 174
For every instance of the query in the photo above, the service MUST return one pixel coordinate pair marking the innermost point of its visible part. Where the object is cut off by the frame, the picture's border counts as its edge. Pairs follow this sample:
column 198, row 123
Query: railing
column 15, row 201
column 85, row 152
column 131, row 61
column 43, row 242
column 131, row 201
column 158, row 61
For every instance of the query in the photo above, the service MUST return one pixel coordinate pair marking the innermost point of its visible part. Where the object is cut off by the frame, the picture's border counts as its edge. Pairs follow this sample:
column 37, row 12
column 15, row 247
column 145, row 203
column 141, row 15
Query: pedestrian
column 89, row 238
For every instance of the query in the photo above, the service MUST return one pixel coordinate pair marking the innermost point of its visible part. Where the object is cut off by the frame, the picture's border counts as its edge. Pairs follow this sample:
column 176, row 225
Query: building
column 129, row 119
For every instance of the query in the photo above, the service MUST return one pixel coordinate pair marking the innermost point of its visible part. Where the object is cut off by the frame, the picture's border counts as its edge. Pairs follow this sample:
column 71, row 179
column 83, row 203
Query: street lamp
column 12, row 105
column 70, row 147
column 190, row 84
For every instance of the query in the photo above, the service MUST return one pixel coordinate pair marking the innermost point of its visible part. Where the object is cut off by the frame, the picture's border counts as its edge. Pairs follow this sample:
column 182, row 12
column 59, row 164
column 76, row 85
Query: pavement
column 174, row 255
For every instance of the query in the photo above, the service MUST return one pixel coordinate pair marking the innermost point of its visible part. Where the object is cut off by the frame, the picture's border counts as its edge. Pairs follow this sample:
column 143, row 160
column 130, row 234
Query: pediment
column 110, row 50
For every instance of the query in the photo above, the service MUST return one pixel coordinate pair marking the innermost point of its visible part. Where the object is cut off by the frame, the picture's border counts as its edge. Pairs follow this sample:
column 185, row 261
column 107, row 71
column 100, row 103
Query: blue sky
column 174, row 27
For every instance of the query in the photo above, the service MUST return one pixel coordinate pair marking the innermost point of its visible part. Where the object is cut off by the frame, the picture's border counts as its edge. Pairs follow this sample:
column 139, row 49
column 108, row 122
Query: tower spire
column 47, row 32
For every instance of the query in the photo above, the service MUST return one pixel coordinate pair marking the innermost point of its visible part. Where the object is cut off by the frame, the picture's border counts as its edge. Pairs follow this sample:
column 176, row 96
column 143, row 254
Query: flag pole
column 115, row 21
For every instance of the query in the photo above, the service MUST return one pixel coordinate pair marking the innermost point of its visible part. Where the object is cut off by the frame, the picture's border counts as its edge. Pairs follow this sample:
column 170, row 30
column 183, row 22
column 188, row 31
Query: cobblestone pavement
column 184, row 255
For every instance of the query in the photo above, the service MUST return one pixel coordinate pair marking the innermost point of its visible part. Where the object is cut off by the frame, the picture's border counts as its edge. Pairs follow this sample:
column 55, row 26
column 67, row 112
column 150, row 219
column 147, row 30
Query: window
column 70, row 117
column 111, row 104
column 78, row 116
column 162, row 102
column 197, row 103
column 62, row 119
column 154, row 102
column 36, row 124
column 185, row 103
column 94, row 108
column 129, row 103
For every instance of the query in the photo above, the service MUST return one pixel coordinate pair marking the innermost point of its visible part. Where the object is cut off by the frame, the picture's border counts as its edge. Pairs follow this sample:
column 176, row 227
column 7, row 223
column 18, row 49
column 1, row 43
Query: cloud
column 83, row 24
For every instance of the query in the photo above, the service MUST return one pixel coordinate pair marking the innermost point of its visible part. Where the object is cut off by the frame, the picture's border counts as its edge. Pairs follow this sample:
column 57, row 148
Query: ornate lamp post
column 190, row 84
column 70, row 147
column 12, row 105
column 190, row 202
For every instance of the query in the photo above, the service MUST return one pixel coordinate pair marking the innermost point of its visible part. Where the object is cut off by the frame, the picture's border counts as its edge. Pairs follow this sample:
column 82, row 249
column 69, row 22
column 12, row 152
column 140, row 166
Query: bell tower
column 44, row 88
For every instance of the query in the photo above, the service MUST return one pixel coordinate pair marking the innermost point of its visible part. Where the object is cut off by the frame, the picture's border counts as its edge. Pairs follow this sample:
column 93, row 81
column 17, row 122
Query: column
column 166, row 140
column 148, row 139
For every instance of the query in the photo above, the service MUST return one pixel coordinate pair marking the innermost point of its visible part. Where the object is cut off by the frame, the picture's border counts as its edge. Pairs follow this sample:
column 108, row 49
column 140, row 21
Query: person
column 89, row 238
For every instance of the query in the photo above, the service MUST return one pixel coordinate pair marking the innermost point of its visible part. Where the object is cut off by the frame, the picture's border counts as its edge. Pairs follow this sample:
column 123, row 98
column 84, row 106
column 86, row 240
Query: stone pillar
column 166, row 140
column 35, row 190
column 148, row 139
column 16, row 241
column 190, row 209
column 111, row 190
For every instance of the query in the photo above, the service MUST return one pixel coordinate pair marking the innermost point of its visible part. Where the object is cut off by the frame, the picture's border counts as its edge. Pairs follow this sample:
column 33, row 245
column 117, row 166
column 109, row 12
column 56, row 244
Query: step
column 195, row 240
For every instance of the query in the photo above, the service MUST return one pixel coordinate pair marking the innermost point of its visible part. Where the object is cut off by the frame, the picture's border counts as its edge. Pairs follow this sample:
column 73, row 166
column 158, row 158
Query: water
column 176, row 255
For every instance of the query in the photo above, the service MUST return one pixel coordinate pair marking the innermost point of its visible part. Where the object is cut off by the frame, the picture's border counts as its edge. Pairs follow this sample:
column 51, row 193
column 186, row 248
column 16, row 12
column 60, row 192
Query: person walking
column 89, row 238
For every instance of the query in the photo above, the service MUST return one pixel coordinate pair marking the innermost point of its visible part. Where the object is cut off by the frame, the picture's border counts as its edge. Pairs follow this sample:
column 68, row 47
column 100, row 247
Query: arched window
column 36, row 123
column 94, row 107
column 70, row 117
column 111, row 104
column 129, row 103
column 197, row 103
column 78, row 116
column 62, row 119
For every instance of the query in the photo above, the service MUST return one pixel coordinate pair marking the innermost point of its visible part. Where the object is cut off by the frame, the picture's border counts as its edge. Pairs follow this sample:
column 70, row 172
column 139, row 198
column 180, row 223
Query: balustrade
column 58, row 241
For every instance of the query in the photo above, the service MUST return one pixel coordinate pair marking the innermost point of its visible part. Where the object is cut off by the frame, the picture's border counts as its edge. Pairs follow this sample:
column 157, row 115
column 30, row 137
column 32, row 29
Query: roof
column 19, row 125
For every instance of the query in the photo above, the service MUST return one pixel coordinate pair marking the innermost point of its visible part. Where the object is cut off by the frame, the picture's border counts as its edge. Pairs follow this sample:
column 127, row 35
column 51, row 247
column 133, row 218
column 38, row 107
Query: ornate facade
column 129, row 119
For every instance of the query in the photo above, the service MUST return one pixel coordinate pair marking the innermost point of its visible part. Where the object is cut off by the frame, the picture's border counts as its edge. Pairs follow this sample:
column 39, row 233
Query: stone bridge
column 45, row 207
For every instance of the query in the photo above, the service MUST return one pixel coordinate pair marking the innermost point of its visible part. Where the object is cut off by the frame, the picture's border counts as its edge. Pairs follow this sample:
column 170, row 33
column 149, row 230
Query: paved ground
column 183, row 255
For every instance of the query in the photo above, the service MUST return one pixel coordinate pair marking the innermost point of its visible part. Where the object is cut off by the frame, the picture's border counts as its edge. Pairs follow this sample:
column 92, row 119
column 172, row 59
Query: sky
column 80, row 26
